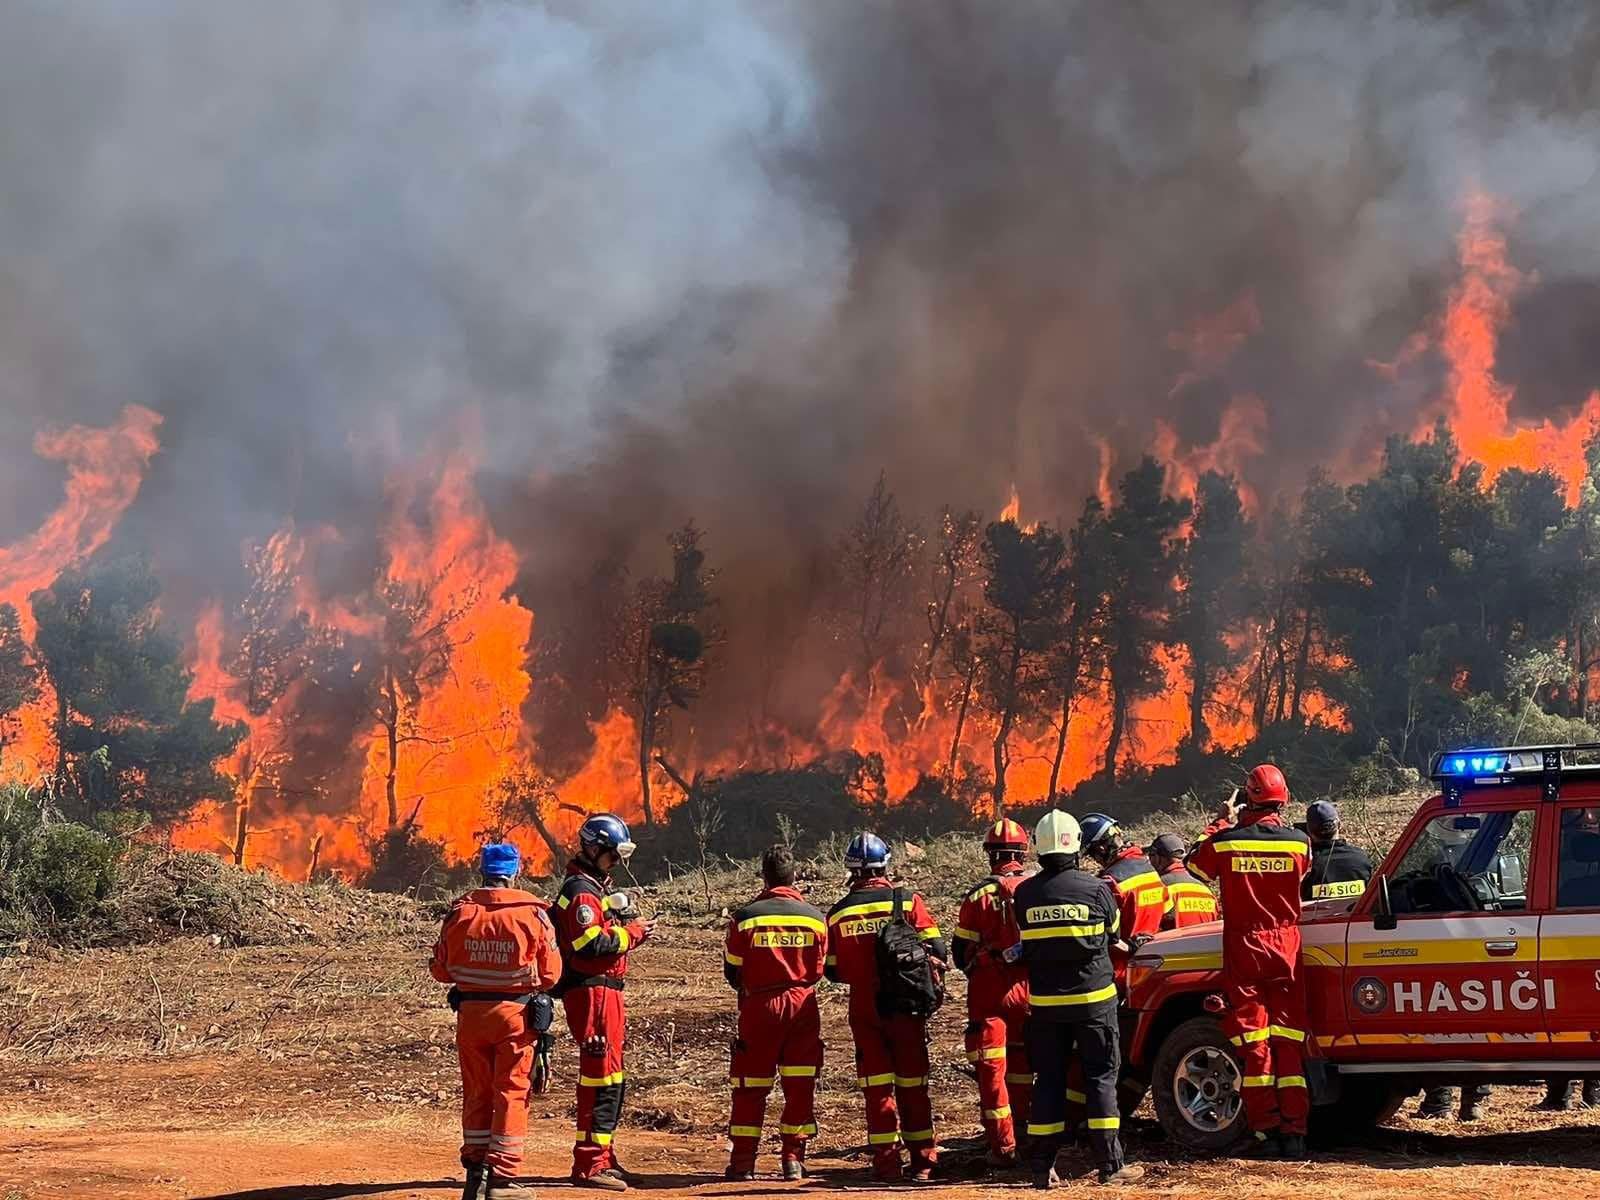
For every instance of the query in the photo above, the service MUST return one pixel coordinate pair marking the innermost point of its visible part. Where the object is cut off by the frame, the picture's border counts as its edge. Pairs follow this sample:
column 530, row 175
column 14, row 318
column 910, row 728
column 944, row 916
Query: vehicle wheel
column 1196, row 1085
column 1364, row 1103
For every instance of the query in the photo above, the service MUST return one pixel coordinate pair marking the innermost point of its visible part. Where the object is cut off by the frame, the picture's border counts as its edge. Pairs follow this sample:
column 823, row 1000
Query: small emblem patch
column 586, row 916
column 1371, row 996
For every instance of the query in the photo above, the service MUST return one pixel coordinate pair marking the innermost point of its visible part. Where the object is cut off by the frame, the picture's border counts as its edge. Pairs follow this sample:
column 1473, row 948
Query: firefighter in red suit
column 773, row 958
column 1141, row 896
column 1189, row 902
column 497, row 951
column 1258, row 863
column 891, row 1051
column 997, row 992
column 597, row 933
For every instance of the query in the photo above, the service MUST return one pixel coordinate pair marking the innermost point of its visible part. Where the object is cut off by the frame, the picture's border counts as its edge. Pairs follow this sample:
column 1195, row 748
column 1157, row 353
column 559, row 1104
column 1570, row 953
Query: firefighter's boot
column 605, row 1181
column 1263, row 1145
column 1472, row 1102
column 1126, row 1173
column 477, row 1173
column 502, row 1188
column 1558, row 1096
column 1435, row 1104
column 1292, row 1147
column 794, row 1169
column 1045, row 1178
column 1591, row 1093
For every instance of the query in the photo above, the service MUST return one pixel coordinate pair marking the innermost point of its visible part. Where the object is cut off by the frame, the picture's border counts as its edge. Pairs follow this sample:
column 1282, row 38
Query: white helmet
column 1057, row 833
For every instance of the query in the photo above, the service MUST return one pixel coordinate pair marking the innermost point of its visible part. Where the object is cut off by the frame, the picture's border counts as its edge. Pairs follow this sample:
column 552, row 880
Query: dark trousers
column 1051, row 1044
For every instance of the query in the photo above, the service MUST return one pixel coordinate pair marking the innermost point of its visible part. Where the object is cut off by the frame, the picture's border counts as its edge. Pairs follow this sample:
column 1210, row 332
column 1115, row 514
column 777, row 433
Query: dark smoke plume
column 730, row 260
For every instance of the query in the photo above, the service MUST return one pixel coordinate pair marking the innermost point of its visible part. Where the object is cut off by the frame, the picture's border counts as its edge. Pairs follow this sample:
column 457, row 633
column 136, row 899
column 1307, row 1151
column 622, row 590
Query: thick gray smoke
column 730, row 260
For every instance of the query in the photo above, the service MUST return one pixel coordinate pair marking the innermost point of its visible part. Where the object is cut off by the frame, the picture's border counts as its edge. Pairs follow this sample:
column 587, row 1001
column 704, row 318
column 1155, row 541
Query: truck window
column 1578, row 872
column 1466, row 862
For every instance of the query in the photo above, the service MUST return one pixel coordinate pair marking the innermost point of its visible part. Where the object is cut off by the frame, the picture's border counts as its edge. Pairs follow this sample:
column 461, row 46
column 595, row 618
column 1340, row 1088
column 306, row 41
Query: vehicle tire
column 1196, row 1087
column 1364, row 1103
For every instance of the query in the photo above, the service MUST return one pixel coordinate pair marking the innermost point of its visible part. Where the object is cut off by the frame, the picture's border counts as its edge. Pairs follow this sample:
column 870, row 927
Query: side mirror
column 1383, row 911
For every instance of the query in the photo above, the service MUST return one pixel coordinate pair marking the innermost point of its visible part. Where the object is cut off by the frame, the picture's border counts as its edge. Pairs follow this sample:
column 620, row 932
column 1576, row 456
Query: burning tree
column 526, row 798
column 414, row 648
column 19, row 673
column 1019, row 631
column 1139, row 586
column 957, row 564
column 876, row 564
column 126, row 736
column 1217, row 593
column 669, row 629
column 1080, row 652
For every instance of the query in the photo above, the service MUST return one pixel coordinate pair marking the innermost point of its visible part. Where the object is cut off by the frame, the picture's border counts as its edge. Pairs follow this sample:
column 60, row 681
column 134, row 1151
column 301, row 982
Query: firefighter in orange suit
column 773, row 958
column 891, row 1048
column 1259, row 862
column 997, row 992
column 1189, row 902
column 597, row 933
column 1141, row 896
column 497, row 950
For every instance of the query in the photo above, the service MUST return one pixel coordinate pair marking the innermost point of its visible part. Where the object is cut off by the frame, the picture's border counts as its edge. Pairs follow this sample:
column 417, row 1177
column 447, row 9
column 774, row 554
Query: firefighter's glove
column 594, row 1047
column 541, row 1012
column 1012, row 952
column 1139, row 939
column 453, row 999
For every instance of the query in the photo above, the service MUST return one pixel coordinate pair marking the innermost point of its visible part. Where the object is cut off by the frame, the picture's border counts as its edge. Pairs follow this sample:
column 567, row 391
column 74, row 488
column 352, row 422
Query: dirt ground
column 324, row 1068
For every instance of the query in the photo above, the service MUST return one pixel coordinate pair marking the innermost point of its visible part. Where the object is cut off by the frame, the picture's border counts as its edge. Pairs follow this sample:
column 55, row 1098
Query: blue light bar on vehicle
column 1474, row 762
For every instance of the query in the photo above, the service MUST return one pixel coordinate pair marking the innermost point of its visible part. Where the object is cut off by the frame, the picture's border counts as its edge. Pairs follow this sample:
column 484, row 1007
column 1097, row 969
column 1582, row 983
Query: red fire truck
column 1473, row 956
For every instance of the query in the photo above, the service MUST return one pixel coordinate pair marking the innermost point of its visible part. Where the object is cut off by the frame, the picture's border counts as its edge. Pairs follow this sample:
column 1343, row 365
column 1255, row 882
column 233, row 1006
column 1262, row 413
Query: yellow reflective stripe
column 830, row 961
column 563, row 901
column 867, row 1081
column 752, row 1131
column 783, row 921
column 624, row 941
column 864, row 910
column 917, row 1135
column 1168, row 906
column 1055, row 931
column 1074, row 1097
column 1094, row 997
column 1197, row 872
column 1329, row 891
column 1291, row 1081
column 752, row 1081
column 882, row 1139
column 1283, row 1031
column 1189, row 889
column 1019, row 1078
column 985, row 890
column 1259, row 1080
column 1259, row 846
column 997, row 1114
column 599, row 1139
column 602, row 1080
column 1105, row 1122
column 1142, row 880
column 1254, row 1035
column 931, row 932
column 798, row 1130
column 910, row 1080
column 966, row 935
column 797, row 1072
column 991, row 1052
column 587, row 936
column 733, row 960
column 1046, row 1130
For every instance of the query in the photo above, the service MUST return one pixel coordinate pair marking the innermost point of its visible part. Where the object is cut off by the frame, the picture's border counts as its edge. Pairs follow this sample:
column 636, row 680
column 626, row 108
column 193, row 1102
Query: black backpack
column 908, row 986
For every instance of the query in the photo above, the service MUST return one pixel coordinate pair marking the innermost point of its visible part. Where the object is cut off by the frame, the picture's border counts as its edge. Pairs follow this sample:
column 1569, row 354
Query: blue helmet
column 499, row 860
column 605, row 832
column 867, row 852
column 1097, row 828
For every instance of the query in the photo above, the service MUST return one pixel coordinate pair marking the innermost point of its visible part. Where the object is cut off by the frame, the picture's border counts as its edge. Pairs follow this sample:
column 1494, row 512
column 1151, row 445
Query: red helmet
column 1266, row 787
column 1005, row 835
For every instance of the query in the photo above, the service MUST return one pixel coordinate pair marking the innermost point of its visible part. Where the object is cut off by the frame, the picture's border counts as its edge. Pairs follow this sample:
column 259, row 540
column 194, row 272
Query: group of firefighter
column 1046, row 956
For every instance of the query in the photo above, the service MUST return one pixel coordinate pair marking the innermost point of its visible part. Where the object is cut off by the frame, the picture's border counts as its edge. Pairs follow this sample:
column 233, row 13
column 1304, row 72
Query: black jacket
column 1068, row 920
column 1337, row 869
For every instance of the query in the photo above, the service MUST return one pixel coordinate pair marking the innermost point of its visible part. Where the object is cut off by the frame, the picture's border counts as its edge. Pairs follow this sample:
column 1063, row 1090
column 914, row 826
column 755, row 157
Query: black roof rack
column 1488, row 766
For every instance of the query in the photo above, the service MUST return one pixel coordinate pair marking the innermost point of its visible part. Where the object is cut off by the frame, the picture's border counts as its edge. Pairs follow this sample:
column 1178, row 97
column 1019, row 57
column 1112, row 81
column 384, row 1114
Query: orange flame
column 1479, row 405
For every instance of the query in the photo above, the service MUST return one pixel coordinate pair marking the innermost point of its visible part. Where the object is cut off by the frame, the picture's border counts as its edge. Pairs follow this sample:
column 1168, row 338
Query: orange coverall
column 497, row 948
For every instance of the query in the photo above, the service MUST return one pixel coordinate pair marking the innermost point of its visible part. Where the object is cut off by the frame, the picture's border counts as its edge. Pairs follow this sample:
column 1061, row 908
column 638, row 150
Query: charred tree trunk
column 1199, row 677
column 61, row 742
column 316, row 858
column 1581, row 683
column 241, row 831
column 1263, row 678
column 391, row 730
column 1069, row 695
column 1302, row 663
column 1119, row 721
column 961, row 717
column 1008, row 717
column 647, row 739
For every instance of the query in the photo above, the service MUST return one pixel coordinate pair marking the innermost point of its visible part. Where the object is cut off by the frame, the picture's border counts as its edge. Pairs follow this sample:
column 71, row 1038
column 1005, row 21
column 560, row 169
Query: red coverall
column 497, row 948
column 891, row 1052
column 1258, row 865
column 997, row 1005
column 1141, row 898
column 1189, row 902
column 594, row 952
column 774, row 956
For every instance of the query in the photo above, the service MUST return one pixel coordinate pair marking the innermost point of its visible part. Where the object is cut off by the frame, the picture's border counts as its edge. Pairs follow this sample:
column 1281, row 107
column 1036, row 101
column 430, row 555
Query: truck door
column 1569, row 935
column 1462, row 966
